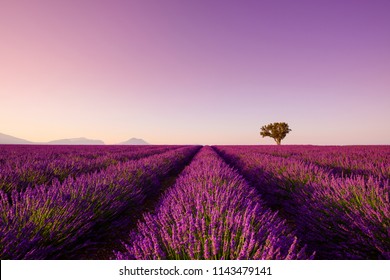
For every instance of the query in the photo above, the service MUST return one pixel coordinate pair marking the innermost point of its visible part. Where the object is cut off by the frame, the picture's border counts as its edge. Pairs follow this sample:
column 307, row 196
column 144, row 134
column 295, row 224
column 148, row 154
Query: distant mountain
column 8, row 139
column 76, row 141
column 134, row 141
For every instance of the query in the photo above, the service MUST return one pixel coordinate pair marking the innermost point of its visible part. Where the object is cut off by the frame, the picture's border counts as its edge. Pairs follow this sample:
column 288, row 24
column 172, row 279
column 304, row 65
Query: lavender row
column 212, row 213
column 48, row 221
column 338, row 217
column 18, row 175
column 346, row 160
column 18, row 154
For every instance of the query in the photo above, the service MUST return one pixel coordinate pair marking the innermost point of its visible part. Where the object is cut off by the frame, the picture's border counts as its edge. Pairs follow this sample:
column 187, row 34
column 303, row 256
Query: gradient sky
column 196, row 72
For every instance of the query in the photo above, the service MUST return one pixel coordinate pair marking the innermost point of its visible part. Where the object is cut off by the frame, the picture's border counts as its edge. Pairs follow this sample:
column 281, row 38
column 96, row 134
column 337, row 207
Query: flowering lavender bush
column 339, row 216
column 24, row 166
column 347, row 160
column 212, row 213
column 48, row 220
column 64, row 201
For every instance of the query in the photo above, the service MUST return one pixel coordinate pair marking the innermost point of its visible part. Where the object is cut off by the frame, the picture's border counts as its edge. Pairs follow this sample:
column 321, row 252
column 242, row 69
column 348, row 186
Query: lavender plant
column 212, row 213
column 28, row 169
column 338, row 216
column 47, row 221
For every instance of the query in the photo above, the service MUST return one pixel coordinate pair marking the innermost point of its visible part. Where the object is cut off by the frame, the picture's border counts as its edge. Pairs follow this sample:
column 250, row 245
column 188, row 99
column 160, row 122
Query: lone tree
column 276, row 130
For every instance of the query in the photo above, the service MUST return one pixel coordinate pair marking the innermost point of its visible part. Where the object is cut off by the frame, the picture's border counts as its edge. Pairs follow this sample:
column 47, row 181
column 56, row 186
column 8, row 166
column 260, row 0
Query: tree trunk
column 278, row 141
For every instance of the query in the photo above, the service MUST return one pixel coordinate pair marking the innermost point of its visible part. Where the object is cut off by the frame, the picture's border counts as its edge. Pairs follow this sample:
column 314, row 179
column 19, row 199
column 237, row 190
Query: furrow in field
column 57, row 166
column 107, row 238
column 340, row 160
column 53, row 221
column 16, row 155
column 212, row 213
column 338, row 217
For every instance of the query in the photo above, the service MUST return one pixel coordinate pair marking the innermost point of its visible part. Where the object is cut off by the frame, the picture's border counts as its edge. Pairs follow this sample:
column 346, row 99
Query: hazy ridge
column 8, row 139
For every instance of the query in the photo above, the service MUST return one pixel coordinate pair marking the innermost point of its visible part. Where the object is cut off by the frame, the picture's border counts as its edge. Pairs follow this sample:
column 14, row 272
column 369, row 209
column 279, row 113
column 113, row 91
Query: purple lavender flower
column 223, row 217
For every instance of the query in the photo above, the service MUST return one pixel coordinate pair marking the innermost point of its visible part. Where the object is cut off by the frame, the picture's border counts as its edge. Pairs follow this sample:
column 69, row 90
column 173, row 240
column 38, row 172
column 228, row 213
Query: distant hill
column 76, row 141
column 134, row 141
column 8, row 139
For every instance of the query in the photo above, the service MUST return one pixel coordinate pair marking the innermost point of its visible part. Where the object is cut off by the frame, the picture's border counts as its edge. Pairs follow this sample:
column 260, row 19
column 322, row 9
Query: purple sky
column 196, row 72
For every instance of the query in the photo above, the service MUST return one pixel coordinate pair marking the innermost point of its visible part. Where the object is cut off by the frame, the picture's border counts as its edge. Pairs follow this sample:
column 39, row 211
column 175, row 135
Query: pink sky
column 196, row 72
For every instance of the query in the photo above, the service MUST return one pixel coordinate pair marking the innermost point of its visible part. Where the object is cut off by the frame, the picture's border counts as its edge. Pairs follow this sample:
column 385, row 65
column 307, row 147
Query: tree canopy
column 277, row 131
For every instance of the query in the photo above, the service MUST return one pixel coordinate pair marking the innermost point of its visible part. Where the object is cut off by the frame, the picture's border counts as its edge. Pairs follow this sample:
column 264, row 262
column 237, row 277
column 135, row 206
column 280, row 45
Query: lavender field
column 194, row 202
